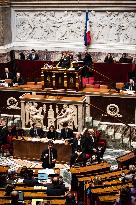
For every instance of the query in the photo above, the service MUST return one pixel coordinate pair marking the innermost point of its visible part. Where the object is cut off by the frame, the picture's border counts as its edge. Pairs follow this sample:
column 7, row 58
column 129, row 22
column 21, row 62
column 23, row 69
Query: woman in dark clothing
column 52, row 133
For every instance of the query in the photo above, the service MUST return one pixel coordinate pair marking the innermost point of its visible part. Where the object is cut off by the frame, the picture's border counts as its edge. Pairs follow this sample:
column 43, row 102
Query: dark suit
column 36, row 57
column 130, row 87
column 35, row 132
column 3, row 135
column 87, row 62
column 123, row 60
column 30, row 181
column 75, row 145
column 66, row 133
column 4, row 76
column 20, row 81
column 64, row 62
column 56, row 190
column 108, row 60
column 48, row 157
column 52, row 135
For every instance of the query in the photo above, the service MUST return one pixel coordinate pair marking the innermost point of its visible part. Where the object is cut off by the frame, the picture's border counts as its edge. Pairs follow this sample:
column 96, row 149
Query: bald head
column 14, row 195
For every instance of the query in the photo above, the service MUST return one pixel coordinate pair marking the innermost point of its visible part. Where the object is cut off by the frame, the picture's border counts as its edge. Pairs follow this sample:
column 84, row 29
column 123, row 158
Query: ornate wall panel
column 65, row 29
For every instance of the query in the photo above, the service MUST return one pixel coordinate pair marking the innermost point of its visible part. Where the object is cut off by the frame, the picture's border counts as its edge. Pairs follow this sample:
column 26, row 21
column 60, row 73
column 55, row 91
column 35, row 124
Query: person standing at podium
column 64, row 61
column 49, row 156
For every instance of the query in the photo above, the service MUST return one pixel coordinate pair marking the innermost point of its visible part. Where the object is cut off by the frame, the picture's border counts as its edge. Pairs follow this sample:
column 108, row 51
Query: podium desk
column 62, row 78
column 32, row 150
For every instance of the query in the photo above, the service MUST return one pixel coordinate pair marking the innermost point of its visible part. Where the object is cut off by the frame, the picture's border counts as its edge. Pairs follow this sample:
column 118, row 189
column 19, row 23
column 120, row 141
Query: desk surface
column 53, row 98
column 91, row 168
column 126, row 157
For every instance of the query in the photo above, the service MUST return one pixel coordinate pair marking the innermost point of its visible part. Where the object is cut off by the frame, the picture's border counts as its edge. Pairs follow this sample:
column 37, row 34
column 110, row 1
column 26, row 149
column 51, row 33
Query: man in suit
column 77, row 154
column 49, row 156
column 36, row 131
column 33, row 55
column 64, row 61
column 131, row 85
column 6, row 74
column 18, row 79
column 123, row 58
column 109, row 58
column 87, row 63
column 66, row 133
column 3, row 133
column 55, row 188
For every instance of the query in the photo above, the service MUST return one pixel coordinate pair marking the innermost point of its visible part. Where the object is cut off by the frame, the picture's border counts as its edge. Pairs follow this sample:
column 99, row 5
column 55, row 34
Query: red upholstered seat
column 91, row 80
column 7, row 148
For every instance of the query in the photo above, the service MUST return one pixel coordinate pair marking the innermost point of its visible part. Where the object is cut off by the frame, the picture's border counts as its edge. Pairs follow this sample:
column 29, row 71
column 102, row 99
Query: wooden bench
column 105, row 176
column 126, row 160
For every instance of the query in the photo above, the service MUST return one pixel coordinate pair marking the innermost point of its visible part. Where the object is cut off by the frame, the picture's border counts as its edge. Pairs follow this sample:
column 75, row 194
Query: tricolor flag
column 87, row 37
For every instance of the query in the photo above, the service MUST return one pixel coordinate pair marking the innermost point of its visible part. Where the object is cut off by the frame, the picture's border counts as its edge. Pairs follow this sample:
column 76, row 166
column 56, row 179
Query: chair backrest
column 103, row 86
column 119, row 85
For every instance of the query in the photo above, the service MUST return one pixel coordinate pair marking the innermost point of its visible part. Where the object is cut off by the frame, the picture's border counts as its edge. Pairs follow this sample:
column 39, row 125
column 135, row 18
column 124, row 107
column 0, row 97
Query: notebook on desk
column 42, row 177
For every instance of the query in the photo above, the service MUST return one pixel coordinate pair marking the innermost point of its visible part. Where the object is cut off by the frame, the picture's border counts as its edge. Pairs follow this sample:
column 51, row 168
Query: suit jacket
column 30, row 181
column 108, row 60
column 127, row 86
column 47, row 158
column 87, row 60
column 20, row 81
column 55, row 190
column 65, row 62
column 52, row 135
column 76, row 146
column 36, row 132
column 4, row 134
column 4, row 76
column 66, row 134
column 30, row 57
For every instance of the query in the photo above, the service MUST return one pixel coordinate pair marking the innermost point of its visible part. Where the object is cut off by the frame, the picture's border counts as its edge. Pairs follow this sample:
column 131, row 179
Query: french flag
column 87, row 36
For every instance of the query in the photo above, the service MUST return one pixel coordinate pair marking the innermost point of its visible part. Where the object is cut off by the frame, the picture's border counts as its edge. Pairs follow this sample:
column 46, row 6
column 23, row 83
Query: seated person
column 64, row 62
column 15, row 198
column 49, row 156
column 109, row 58
column 125, row 197
column 77, row 157
column 9, row 188
column 124, row 58
column 70, row 199
column 12, row 177
column 56, row 188
column 76, row 143
column 36, row 131
column 52, row 133
column 131, row 85
column 23, row 172
column 18, row 79
column 29, row 180
column 133, row 189
column 66, row 132
column 6, row 74
column 21, row 56
column 33, row 55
